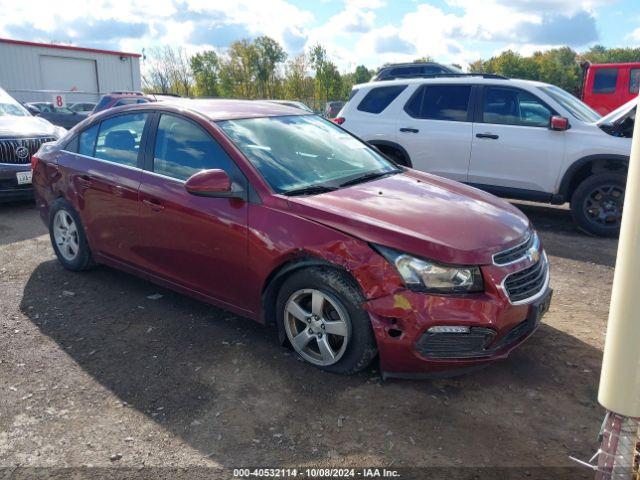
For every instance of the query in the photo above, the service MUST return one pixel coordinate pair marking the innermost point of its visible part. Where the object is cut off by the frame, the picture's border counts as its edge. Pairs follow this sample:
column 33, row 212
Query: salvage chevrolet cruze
column 286, row 218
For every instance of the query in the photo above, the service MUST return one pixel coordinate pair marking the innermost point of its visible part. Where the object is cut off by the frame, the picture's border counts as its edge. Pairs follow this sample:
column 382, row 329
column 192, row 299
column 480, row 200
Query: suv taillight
column 338, row 120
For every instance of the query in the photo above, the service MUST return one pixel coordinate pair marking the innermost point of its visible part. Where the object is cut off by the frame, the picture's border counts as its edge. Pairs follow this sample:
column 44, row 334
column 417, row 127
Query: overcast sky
column 369, row 32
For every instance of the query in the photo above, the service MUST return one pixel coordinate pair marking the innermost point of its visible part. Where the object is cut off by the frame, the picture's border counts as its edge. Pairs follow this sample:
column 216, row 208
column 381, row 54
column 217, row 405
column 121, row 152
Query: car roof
column 224, row 109
column 413, row 64
column 218, row 109
column 454, row 79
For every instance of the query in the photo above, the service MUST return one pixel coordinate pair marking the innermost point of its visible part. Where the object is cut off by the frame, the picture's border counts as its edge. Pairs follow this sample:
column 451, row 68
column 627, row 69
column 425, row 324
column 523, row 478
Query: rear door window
column 87, row 141
column 119, row 139
column 183, row 148
column 380, row 98
column 604, row 80
column 440, row 102
column 634, row 80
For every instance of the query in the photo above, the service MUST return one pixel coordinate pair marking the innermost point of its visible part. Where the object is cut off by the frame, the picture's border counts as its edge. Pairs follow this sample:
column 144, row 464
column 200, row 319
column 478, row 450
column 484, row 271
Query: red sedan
column 284, row 217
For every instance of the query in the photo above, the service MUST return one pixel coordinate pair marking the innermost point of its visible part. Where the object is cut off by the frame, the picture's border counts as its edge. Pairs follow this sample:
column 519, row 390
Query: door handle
column 154, row 204
column 85, row 180
column 487, row 135
column 118, row 190
column 409, row 130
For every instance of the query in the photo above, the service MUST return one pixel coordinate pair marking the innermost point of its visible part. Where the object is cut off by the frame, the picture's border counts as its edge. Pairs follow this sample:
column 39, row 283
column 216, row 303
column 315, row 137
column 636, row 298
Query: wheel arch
column 590, row 165
column 387, row 144
column 285, row 269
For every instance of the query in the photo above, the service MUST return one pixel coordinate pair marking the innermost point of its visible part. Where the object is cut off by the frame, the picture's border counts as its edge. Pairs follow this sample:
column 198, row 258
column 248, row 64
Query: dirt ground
column 97, row 380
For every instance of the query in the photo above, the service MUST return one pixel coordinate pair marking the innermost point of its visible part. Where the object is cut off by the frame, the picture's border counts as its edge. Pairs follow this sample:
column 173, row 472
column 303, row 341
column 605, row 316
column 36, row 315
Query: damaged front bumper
column 470, row 332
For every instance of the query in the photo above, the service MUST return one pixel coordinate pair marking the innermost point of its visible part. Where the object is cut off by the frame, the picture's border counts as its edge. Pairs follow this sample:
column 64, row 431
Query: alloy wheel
column 317, row 326
column 65, row 234
column 603, row 205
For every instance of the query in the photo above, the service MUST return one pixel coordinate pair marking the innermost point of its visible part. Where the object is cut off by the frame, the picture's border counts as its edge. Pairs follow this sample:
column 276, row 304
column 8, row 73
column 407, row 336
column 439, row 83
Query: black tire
column 585, row 190
column 83, row 259
column 361, row 346
column 395, row 155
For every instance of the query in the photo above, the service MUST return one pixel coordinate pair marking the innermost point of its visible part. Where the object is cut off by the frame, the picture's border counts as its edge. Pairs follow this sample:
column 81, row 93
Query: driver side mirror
column 558, row 123
column 212, row 183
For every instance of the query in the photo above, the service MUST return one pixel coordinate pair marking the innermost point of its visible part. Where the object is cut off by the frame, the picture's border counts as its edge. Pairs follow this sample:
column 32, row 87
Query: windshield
column 295, row 152
column 13, row 109
column 575, row 106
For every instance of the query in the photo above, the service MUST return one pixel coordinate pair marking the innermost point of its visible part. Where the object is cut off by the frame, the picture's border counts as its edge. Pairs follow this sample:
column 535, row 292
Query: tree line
column 260, row 68
column 252, row 69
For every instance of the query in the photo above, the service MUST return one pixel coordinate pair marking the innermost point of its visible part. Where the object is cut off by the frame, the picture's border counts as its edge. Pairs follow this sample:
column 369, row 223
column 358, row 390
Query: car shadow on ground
column 562, row 238
column 12, row 228
column 223, row 385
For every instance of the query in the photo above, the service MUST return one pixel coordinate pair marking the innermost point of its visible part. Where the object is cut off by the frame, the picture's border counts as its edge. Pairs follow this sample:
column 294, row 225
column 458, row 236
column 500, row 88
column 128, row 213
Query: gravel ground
column 97, row 380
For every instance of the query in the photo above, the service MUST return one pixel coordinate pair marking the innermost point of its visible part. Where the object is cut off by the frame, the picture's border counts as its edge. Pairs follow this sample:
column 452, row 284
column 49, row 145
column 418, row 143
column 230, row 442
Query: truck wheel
column 596, row 204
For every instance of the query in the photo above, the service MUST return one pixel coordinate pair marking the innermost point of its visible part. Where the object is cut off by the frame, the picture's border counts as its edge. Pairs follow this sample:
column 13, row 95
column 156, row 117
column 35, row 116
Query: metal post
column 619, row 389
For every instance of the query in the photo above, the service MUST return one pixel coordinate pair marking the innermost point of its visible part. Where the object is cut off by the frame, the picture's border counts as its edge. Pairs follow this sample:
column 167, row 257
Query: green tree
column 362, row 74
column 205, row 67
column 600, row 54
column 269, row 55
column 298, row 84
column 238, row 71
column 327, row 78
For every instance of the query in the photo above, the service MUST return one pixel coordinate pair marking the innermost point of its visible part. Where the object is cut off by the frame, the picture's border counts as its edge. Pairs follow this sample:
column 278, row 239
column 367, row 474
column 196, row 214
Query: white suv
column 515, row 138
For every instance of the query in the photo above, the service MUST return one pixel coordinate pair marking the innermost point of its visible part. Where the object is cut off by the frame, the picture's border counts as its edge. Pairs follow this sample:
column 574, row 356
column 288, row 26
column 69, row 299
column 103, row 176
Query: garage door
column 68, row 74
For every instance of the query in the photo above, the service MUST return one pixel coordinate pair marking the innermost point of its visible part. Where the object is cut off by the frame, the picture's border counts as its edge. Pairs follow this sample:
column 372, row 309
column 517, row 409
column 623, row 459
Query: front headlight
column 427, row 276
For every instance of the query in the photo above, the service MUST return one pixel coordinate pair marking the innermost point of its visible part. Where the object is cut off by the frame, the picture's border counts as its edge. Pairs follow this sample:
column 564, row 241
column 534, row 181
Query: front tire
column 596, row 204
column 67, row 237
column 320, row 311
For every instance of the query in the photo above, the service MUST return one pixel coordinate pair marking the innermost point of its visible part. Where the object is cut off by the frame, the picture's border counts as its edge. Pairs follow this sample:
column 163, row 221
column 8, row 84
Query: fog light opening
column 448, row 329
column 395, row 333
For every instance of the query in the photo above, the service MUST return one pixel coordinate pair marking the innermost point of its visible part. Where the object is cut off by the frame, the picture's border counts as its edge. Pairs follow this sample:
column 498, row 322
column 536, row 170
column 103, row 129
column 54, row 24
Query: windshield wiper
column 310, row 190
column 368, row 177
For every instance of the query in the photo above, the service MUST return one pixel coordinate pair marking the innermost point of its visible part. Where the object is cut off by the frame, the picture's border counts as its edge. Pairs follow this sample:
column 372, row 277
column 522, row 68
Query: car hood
column 25, row 126
column 420, row 214
column 620, row 113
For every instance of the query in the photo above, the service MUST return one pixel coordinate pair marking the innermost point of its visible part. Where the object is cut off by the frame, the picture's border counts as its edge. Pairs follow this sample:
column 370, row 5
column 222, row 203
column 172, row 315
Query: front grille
column 455, row 345
column 525, row 284
column 10, row 148
column 514, row 254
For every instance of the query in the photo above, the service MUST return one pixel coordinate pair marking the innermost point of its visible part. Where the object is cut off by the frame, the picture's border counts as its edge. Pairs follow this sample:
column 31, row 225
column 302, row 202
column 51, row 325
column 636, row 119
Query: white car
column 515, row 138
column 21, row 135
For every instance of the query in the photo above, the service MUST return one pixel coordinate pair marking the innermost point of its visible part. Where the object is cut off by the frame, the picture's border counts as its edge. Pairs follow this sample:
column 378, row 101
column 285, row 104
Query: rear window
column 440, row 102
column 379, row 98
column 130, row 101
column 604, row 80
column 406, row 71
column 102, row 104
column 634, row 82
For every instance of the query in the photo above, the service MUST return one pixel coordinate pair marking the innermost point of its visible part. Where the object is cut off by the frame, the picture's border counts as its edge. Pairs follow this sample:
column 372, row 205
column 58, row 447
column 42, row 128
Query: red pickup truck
column 606, row 86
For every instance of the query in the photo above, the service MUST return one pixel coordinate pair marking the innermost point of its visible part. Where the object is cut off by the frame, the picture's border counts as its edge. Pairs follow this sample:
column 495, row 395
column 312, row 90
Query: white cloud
column 357, row 34
column 635, row 35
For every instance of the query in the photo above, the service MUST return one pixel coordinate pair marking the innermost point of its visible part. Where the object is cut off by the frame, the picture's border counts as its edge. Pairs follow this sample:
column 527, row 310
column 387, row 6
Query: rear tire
column 395, row 155
column 67, row 237
column 353, row 346
column 596, row 204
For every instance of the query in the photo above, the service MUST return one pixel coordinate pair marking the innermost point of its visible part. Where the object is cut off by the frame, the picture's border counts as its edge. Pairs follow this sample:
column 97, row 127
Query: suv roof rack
column 445, row 75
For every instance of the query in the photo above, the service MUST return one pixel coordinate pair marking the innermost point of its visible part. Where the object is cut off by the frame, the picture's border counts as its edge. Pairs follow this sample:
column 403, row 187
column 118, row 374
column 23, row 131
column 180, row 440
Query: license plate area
column 23, row 178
